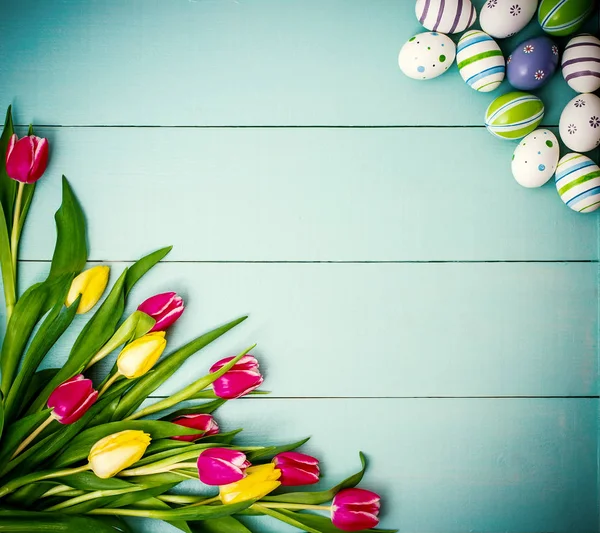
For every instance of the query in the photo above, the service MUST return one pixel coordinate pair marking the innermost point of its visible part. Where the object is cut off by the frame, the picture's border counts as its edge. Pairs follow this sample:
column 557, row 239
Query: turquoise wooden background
column 409, row 299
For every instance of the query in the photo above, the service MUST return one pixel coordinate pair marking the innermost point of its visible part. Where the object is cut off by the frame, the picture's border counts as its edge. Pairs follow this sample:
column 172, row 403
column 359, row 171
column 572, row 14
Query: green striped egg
column 514, row 115
column 480, row 61
column 578, row 182
column 563, row 17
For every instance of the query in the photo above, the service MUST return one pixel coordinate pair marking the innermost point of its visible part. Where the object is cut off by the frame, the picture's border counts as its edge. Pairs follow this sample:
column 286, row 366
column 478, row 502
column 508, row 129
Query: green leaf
column 166, row 368
column 204, row 408
column 271, row 451
column 8, row 186
column 16, row 432
column 27, row 198
column 8, row 275
column 1, row 416
column 291, row 520
column 31, row 522
column 227, row 524
column 316, row 498
column 37, row 383
column 70, row 252
column 323, row 524
column 139, row 269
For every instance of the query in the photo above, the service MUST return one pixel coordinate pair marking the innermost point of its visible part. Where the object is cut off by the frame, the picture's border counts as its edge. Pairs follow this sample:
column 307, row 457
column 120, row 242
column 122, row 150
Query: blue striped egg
column 446, row 16
column 581, row 63
column 578, row 182
column 514, row 115
column 480, row 61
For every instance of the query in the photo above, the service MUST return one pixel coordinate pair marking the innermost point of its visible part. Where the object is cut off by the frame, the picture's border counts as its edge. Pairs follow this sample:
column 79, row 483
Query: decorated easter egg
column 480, row 61
column 446, row 16
column 579, row 124
column 514, row 115
column 503, row 18
column 535, row 158
column 532, row 63
column 563, row 17
column 426, row 55
column 578, row 182
column 581, row 63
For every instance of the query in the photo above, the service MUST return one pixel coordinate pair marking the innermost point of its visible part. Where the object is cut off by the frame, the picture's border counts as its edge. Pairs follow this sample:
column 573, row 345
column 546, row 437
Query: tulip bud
column 355, row 509
column 165, row 308
column 141, row 355
column 71, row 399
column 297, row 469
column 26, row 158
column 203, row 422
column 241, row 379
column 219, row 466
column 259, row 481
column 90, row 284
column 118, row 451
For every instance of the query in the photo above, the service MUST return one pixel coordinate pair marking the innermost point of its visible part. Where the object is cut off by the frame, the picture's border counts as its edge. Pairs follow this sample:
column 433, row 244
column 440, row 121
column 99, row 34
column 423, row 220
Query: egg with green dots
column 535, row 158
column 426, row 55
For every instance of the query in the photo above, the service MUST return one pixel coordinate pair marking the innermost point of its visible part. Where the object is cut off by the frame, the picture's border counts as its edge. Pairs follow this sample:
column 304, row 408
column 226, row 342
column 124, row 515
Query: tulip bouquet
column 76, row 454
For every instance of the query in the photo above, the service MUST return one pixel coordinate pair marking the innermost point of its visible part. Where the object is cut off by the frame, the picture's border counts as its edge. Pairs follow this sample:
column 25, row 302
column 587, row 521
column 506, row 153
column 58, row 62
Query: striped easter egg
column 581, row 63
column 563, row 17
column 514, row 115
column 578, row 182
column 480, row 61
column 445, row 16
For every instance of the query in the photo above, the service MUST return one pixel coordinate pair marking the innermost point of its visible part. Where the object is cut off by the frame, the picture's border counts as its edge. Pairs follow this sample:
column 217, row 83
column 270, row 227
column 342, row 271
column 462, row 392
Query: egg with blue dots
column 480, row 61
column 535, row 158
column 445, row 16
column 426, row 55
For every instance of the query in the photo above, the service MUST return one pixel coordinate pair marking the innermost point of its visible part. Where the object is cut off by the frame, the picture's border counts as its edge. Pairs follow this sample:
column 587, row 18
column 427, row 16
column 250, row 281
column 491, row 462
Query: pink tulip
column 203, row 422
column 241, row 379
column 71, row 399
column 297, row 469
column 165, row 308
column 221, row 466
column 355, row 509
column 27, row 158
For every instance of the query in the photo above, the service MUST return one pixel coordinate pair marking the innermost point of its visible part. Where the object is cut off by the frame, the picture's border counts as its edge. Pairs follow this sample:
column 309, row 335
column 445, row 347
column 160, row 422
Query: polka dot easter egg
column 578, row 183
column 535, row 158
column 581, row 63
column 514, row 115
column 446, row 16
column 579, row 124
column 503, row 18
column 426, row 55
column 563, row 17
column 480, row 61
column 532, row 63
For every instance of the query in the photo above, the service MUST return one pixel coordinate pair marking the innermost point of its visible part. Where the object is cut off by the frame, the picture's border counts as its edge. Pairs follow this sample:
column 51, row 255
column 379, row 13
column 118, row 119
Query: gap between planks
column 517, row 397
column 269, row 126
column 343, row 262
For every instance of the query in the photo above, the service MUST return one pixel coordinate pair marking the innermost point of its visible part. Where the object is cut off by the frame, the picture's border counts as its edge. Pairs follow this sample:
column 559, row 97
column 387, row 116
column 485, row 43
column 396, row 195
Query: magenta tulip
column 221, row 466
column 203, row 422
column 165, row 308
column 355, row 509
column 297, row 469
column 71, row 399
column 26, row 158
column 241, row 379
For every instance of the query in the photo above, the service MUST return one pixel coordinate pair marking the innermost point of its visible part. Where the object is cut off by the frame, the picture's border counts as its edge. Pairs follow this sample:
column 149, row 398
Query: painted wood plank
column 230, row 62
column 447, row 466
column 305, row 195
column 389, row 329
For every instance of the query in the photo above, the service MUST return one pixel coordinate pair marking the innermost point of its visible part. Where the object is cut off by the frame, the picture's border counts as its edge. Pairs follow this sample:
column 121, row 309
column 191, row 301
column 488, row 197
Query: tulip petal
column 40, row 159
column 204, row 422
column 218, row 472
column 168, row 319
column 11, row 144
column 157, row 304
column 81, row 410
column 18, row 166
column 248, row 362
column 354, row 521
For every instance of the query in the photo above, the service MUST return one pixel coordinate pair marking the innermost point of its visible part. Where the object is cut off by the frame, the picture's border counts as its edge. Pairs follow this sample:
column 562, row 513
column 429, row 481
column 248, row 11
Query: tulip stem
column 295, row 506
column 93, row 495
column 19, row 482
column 110, row 381
column 32, row 436
column 16, row 233
column 205, row 502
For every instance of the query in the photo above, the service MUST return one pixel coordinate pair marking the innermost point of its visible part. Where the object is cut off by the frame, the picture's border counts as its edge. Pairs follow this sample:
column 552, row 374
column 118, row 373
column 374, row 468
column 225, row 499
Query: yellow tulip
column 259, row 481
column 116, row 452
column 90, row 284
column 141, row 355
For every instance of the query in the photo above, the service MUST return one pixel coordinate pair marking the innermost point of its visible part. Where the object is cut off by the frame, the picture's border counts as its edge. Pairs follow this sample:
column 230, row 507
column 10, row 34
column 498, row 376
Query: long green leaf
column 227, row 524
column 28, row 521
column 8, row 274
column 37, row 383
column 16, row 432
column 323, row 524
column 8, row 186
column 166, row 368
column 139, row 269
column 204, row 408
column 271, row 451
column 291, row 520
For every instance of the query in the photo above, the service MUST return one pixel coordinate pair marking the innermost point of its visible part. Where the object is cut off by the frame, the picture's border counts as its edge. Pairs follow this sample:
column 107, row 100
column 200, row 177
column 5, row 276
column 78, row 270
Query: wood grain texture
column 230, row 62
column 305, row 195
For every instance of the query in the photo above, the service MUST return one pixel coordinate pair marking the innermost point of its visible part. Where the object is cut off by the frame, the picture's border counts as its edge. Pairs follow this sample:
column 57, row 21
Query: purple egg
column 532, row 63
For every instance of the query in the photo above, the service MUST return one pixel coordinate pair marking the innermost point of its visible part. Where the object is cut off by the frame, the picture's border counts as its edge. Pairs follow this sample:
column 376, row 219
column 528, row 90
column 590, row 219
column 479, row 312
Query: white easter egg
column 446, row 16
column 503, row 18
column 581, row 63
column 579, row 124
column 578, row 183
column 535, row 158
column 426, row 55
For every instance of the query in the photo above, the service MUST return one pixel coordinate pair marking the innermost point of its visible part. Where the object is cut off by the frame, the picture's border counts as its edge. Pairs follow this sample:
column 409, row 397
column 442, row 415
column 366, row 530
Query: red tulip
column 26, row 158
column 355, row 509
column 165, row 308
column 71, row 399
column 221, row 466
column 297, row 469
column 241, row 379
column 203, row 422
